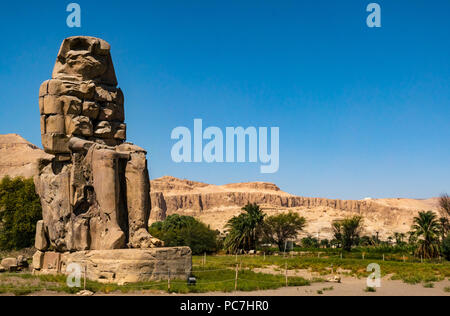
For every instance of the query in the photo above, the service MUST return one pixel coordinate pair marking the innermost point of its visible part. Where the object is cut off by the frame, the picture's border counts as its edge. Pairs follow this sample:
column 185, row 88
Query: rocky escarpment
column 171, row 199
column 216, row 204
column 172, row 184
column 200, row 202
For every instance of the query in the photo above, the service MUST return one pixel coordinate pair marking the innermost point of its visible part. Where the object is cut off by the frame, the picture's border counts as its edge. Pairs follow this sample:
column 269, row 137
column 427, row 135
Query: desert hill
column 215, row 204
column 18, row 157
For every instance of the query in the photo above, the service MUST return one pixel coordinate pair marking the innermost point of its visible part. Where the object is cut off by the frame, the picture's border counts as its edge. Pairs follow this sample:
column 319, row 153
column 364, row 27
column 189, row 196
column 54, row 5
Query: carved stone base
column 119, row 266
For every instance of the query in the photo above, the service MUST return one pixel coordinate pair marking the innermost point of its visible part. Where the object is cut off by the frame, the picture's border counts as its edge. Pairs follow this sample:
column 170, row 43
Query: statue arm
column 80, row 145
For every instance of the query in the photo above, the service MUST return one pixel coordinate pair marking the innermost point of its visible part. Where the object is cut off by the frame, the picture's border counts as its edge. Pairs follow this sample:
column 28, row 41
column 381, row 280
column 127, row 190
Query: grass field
column 408, row 272
column 218, row 274
column 208, row 280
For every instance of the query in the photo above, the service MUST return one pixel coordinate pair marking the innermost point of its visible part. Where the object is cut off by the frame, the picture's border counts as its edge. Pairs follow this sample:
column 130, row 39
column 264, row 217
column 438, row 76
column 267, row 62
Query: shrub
column 310, row 242
column 325, row 243
column 370, row 289
column 20, row 209
column 179, row 230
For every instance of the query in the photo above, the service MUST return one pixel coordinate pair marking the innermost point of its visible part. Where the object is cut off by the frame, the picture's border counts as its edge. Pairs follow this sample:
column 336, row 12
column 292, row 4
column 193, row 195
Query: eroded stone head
column 85, row 58
column 82, row 99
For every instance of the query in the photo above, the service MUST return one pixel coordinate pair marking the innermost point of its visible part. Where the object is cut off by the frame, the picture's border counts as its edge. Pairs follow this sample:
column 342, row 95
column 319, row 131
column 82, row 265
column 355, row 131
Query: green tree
column 20, row 209
column 325, row 243
column 310, row 242
column 366, row 241
column 446, row 248
column 390, row 240
column 399, row 239
column 179, row 230
column 412, row 238
column 347, row 231
column 245, row 229
column 427, row 229
column 280, row 228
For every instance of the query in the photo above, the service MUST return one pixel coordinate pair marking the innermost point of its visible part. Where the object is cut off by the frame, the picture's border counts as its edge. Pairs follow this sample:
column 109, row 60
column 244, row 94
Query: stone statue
column 95, row 192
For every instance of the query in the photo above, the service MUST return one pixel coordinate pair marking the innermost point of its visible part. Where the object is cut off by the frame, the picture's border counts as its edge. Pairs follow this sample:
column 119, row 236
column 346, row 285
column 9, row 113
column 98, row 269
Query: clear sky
column 362, row 112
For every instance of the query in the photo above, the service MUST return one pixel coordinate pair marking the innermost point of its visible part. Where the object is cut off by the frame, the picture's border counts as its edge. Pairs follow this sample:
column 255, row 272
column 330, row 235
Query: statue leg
column 105, row 168
column 138, row 202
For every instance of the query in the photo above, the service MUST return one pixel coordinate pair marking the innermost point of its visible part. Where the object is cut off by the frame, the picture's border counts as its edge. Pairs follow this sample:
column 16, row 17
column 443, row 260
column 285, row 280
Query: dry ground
column 348, row 287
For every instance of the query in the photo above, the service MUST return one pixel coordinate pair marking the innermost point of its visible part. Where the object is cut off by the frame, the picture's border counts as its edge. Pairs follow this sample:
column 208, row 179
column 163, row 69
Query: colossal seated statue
column 95, row 191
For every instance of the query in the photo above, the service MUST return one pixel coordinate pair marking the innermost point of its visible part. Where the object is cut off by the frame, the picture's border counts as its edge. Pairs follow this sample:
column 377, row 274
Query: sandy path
column 349, row 287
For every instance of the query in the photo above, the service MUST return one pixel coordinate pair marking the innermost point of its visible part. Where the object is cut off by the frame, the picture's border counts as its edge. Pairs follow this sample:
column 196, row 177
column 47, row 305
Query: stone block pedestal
column 120, row 266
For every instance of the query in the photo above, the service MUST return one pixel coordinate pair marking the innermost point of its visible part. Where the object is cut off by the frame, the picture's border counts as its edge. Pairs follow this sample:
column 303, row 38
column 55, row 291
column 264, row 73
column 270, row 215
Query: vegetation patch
column 20, row 210
column 208, row 280
column 179, row 230
column 411, row 273
column 370, row 289
column 325, row 289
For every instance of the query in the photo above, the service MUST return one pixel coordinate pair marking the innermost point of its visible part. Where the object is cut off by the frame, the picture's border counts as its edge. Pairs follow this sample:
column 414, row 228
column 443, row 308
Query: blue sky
column 362, row 112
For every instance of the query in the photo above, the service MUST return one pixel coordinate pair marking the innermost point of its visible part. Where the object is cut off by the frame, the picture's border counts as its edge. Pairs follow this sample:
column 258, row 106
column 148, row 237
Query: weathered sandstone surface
column 95, row 189
column 120, row 266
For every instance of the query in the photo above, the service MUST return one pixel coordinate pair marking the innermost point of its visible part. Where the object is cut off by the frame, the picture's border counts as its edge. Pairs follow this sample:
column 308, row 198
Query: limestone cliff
column 214, row 205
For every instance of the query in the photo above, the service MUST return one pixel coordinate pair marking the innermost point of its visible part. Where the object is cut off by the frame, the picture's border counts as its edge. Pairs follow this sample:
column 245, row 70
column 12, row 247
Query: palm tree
column 412, row 238
column 366, row 241
column 402, row 238
column 389, row 240
column 244, row 230
column 347, row 231
column 427, row 229
column 399, row 237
